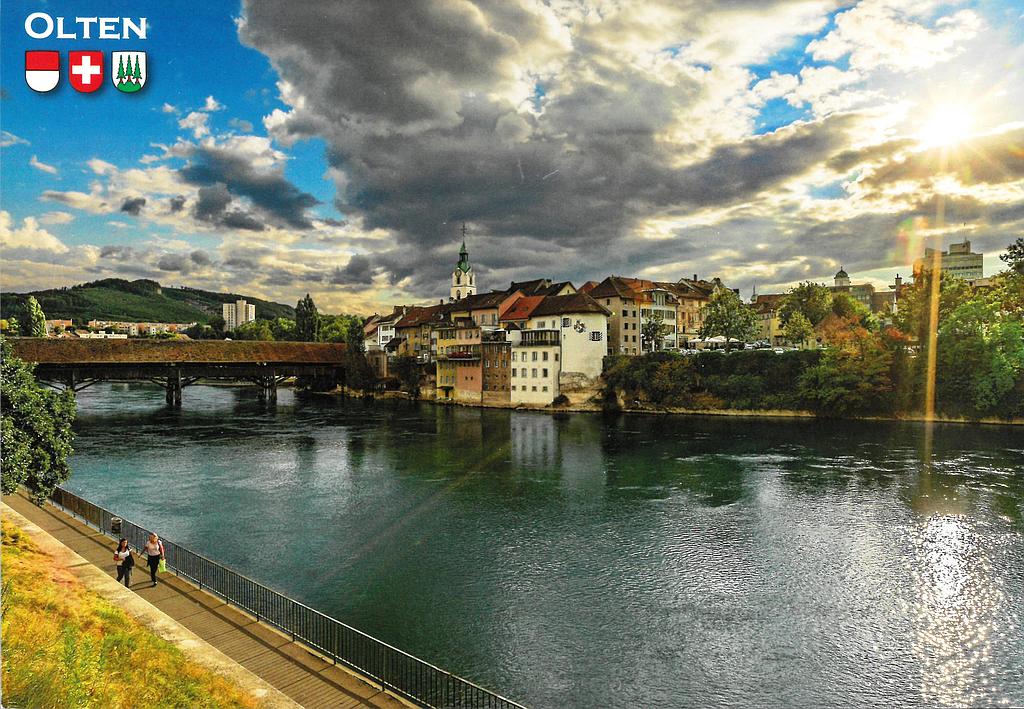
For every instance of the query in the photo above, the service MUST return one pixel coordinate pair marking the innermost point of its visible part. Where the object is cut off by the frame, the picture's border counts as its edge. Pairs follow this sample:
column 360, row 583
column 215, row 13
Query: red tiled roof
column 419, row 316
column 572, row 303
column 98, row 351
column 522, row 308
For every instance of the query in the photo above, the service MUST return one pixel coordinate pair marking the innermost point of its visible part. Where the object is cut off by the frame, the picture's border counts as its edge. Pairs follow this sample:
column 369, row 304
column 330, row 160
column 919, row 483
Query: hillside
column 135, row 301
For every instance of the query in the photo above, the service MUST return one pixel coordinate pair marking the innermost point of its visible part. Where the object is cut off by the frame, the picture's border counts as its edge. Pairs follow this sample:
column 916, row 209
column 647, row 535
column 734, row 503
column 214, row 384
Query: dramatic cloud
column 247, row 167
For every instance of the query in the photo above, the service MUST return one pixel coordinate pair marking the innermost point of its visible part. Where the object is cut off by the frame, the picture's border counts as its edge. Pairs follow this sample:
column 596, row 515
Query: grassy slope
column 65, row 646
column 138, row 301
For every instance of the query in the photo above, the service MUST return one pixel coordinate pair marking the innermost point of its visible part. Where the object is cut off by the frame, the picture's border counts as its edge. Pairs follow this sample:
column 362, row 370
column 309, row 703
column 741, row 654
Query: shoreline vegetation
column 67, row 646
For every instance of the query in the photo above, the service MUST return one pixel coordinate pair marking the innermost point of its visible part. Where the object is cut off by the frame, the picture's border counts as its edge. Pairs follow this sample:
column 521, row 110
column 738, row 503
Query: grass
column 66, row 646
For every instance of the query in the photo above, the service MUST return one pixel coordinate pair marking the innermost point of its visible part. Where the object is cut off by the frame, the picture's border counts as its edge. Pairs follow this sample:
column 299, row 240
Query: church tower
column 463, row 280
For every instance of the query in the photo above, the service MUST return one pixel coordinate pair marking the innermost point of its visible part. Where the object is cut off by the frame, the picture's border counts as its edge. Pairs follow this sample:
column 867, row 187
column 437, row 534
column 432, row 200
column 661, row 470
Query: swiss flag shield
column 85, row 70
column 42, row 70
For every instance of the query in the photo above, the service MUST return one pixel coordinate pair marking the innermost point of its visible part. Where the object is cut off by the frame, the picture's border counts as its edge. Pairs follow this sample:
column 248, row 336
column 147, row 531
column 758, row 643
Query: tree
column 283, row 329
column 307, row 321
column 120, row 70
column 846, row 306
column 33, row 320
column 36, row 429
column 1014, row 256
column 798, row 329
column 358, row 372
column 812, row 299
column 848, row 383
column 726, row 315
column 336, row 328
column 407, row 369
column 653, row 330
column 255, row 330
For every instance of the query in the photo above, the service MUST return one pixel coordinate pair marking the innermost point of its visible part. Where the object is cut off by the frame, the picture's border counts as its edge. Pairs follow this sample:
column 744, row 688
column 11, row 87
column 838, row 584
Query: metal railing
column 393, row 669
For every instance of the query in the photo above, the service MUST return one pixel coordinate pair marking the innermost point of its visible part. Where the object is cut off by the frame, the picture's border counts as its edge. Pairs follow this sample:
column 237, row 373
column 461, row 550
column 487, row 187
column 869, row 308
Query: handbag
column 162, row 568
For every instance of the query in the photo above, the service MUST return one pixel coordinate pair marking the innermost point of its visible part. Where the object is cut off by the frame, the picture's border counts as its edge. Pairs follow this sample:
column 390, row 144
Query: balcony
column 540, row 338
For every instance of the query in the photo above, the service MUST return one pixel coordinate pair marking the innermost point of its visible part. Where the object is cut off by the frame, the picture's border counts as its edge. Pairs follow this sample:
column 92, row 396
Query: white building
column 959, row 261
column 561, row 345
column 463, row 280
column 238, row 313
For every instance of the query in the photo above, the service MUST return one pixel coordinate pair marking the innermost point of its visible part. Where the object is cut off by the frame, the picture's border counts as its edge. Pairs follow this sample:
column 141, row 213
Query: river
column 585, row 561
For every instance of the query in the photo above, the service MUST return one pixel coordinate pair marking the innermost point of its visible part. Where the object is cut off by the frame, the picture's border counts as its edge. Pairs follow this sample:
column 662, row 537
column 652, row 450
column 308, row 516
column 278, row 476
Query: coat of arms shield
column 128, row 71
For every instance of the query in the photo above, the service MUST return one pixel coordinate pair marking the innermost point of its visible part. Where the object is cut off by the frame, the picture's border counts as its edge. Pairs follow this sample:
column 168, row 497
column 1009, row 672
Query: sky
column 337, row 148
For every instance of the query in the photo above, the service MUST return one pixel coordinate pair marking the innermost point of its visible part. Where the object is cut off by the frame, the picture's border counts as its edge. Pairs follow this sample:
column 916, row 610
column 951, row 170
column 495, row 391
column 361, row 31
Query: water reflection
column 591, row 561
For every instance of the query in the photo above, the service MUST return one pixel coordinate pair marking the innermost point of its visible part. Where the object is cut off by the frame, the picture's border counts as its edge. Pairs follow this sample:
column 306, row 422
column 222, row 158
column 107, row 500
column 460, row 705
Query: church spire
column 463, row 280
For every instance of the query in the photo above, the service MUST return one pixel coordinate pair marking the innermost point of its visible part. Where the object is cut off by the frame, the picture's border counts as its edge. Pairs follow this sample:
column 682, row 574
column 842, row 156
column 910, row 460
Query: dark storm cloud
column 410, row 107
column 117, row 252
column 177, row 203
column 174, row 262
column 200, row 258
column 212, row 206
column 357, row 271
column 992, row 159
column 279, row 201
column 133, row 205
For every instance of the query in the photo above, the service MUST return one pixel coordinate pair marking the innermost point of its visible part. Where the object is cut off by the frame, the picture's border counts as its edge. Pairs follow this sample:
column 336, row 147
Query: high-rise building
column 959, row 261
column 237, row 313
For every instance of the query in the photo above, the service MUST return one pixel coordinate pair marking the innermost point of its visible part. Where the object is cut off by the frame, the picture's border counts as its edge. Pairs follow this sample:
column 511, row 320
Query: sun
column 947, row 125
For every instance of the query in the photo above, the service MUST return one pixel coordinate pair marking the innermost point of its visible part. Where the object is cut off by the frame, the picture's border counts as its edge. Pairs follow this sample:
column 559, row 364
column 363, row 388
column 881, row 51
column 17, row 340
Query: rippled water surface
column 594, row 562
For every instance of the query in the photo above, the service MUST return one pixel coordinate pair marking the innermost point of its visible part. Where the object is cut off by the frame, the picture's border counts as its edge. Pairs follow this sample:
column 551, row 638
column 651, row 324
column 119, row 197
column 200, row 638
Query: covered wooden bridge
column 174, row 364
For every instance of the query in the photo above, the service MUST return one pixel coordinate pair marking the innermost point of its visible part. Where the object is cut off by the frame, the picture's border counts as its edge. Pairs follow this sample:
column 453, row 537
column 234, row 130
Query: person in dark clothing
column 154, row 549
column 125, row 562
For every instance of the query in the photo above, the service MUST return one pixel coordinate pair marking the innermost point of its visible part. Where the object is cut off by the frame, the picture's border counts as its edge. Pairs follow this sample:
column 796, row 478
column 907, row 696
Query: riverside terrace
column 175, row 364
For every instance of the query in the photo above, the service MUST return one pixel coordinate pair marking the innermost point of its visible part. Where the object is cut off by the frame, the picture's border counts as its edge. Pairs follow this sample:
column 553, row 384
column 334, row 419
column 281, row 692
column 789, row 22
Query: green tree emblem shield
column 131, row 71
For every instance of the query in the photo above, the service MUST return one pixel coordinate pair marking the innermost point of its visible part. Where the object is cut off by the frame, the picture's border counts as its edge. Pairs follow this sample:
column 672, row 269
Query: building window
column 535, row 388
column 545, row 357
column 544, row 388
column 540, row 325
column 544, row 373
column 565, row 322
column 514, row 356
column 523, row 372
column 534, row 355
column 533, row 373
column 595, row 336
column 556, row 356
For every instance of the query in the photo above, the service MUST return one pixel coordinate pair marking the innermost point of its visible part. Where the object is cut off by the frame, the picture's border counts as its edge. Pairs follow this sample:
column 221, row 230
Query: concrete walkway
column 287, row 666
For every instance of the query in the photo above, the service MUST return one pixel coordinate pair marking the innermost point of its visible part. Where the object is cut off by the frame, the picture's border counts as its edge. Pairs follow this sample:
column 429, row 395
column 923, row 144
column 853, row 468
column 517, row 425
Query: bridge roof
column 142, row 351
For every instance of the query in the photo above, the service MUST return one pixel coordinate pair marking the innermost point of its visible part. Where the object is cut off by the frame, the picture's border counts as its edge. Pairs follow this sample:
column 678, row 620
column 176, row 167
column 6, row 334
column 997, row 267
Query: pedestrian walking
column 154, row 550
column 125, row 562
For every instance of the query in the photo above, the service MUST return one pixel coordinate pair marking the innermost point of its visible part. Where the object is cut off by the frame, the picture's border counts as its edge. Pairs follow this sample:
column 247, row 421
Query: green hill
column 135, row 301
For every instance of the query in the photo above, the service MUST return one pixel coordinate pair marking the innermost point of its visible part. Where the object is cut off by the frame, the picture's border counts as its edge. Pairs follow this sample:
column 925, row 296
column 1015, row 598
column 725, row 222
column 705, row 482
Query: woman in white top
column 154, row 551
column 125, row 562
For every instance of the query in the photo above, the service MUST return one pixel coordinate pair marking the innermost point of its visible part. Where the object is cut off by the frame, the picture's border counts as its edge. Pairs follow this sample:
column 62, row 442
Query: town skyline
column 574, row 143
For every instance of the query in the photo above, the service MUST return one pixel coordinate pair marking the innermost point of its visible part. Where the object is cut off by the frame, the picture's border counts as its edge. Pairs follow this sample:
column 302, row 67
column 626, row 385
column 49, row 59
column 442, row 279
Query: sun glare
column 946, row 126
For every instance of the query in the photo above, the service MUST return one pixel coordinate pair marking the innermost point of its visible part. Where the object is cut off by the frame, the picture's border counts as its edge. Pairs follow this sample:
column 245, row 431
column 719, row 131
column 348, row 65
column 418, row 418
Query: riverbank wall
column 591, row 406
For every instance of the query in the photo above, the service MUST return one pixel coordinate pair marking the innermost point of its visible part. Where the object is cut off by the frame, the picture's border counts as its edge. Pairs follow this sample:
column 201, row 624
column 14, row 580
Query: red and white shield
column 42, row 70
column 85, row 69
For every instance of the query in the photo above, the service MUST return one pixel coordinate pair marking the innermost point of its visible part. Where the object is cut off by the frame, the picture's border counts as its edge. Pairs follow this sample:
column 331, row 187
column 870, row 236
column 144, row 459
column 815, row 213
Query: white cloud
column 212, row 104
column 28, row 237
column 7, row 139
column 57, row 218
column 885, row 34
column 168, row 108
column 195, row 122
column 42, row 166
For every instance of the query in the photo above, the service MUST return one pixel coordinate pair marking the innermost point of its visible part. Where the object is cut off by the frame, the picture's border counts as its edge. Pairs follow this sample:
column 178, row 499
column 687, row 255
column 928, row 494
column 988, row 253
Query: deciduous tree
column 726, row 315
column 36, row 429
column 33, row 320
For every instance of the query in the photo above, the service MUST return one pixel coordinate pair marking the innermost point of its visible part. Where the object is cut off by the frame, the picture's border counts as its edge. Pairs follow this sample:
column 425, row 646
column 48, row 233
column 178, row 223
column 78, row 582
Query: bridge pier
column 173, row 396
column 268, row 388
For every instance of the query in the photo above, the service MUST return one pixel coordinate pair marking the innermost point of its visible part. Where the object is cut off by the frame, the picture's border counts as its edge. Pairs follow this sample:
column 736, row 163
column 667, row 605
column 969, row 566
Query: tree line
column 867, row 366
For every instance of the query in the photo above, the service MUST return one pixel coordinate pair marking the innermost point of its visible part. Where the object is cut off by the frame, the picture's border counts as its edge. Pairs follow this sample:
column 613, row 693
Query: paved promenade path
column 288, row 666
